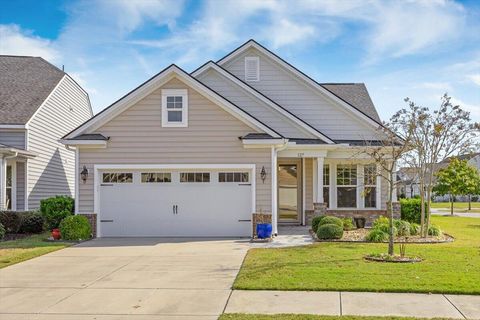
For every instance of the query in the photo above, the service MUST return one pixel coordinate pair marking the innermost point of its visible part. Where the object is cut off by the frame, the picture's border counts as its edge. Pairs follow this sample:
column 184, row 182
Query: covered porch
column 13, row 178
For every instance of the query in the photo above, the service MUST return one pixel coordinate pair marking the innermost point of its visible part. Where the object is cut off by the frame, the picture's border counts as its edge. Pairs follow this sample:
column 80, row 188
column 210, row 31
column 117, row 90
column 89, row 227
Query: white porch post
column 319, row 185
column 3, row 182
column 274, row 192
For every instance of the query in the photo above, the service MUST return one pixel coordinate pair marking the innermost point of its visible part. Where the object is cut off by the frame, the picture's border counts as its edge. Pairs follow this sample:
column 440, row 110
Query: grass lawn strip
column 16, row 251
column 457, row 206
column 447, row 268
column 240, row 316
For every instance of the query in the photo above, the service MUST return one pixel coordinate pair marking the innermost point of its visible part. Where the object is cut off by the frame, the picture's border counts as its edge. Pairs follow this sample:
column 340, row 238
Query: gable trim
column 157, row 81
column 252, row 43
column 263, row 98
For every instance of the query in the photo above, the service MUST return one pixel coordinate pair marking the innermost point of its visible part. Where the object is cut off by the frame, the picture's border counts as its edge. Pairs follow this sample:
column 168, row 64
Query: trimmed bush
column 32, row 222
column 75, row 227
column 411, row 209
column 381, row 221
column 2, row 231
column 315, row 222
column 434, row 230
column 403, row 227
column 348, row 224
column 383, row 224
column 55, row 209
column 11, row 221
column 414, row 229
column 330, row 231
column 377, row 235
column 331, row 220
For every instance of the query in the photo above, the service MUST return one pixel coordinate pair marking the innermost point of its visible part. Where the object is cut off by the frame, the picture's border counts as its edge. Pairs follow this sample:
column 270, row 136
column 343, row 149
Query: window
column 252, row 69
column 9, row 188
column 174, row 108
column 370, row 186
column 156, row 177
column 195, row 177
column 233, row 177
column 346, row 186
column 326, row 184
column 119, row 177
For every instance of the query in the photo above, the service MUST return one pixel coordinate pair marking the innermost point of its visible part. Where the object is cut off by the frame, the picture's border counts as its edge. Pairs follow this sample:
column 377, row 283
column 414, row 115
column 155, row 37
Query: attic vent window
column 252, row 69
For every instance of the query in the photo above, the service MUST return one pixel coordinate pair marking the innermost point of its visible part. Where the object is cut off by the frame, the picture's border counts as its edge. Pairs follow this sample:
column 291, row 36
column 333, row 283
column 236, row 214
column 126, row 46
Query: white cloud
column 15, row 41
column 475, row 78
column 442, row 86
column 472, row 108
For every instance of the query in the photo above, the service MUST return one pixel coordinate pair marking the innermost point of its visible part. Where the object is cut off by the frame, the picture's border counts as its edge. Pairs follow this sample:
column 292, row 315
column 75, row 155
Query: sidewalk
column 354, row 303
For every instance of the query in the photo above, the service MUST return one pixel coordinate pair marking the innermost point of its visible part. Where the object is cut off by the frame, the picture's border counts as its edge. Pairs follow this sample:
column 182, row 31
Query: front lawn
column 16, row 251
column 447, row 268
column 457, row 206
column 240, row 316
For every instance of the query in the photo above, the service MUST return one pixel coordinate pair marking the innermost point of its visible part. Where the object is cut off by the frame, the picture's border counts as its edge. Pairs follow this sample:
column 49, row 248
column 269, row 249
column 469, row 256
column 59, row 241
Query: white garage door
column 186, row 203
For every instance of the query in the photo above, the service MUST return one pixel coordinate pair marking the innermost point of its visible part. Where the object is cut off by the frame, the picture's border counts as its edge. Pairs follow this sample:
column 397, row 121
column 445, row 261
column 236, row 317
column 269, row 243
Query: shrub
column 32, row 222
column 410, row 209
column 383, row 224
column 315, row 222
column 377, row 235
column 434, row 230
column 403, row 227
column 330, row 231
column 414, row 229
column 75, row 227
column 55, row 209
column 11, row 221
column 331, row 220
column 381, row 221
column 2, row 231
column 348, row 224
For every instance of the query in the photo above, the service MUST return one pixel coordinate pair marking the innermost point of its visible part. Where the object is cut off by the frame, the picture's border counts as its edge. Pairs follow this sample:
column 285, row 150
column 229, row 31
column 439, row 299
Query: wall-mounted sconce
column 263, row 174
column 84, row 174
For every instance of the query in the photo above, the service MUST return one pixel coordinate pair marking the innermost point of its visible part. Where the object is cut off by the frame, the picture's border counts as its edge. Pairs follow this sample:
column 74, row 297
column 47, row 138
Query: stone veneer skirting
column 369, row 215
column 92, row 219
column 260, row 218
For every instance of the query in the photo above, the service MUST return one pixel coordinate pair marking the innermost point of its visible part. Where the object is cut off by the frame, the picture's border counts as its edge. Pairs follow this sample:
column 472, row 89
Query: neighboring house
column 409, row 185
column 196, row 154
column 39, row 104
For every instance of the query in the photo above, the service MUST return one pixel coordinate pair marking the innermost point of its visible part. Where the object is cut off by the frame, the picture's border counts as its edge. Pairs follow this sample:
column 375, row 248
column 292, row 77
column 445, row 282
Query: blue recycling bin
column 264, row 230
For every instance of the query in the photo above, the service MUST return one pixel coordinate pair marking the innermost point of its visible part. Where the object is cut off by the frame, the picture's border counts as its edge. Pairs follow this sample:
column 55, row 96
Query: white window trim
column 175, row 92
column 364, row 185
column 257, row 61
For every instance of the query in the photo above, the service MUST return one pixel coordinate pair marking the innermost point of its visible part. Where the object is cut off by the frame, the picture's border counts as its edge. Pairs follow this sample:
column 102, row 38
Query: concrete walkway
column 355, row 303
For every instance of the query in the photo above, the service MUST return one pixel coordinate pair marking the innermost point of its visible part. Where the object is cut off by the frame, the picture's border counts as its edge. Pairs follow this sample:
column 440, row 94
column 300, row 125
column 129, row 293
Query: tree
column 436, row 136
column 457, row 179
column 390, row 147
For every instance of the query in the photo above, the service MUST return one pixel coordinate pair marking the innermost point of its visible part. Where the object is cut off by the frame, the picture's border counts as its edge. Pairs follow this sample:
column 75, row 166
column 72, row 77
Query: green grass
column 16, row 251
column 240, row 316
column 458, row 206
column 447, row 268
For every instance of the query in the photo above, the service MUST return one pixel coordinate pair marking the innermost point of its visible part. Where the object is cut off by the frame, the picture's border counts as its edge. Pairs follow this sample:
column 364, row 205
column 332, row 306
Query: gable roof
column 342, row 101
column 152, row 84
column 25, row 83
column 274, row 105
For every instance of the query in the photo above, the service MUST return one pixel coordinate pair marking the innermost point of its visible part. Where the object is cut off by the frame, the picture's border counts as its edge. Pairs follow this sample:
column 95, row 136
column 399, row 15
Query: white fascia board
column 301, row 76
column 13, row 126
column 83, row 142
column 173, row 166
column 162, row 78
column 244, row 86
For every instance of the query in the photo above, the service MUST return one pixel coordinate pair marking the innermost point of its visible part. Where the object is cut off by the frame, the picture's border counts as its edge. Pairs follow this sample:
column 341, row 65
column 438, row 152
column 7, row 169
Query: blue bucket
column 264, row 230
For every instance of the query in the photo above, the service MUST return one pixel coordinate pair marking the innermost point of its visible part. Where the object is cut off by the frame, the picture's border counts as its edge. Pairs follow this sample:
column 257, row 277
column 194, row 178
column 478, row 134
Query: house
column 39, row 104
column 196, row 154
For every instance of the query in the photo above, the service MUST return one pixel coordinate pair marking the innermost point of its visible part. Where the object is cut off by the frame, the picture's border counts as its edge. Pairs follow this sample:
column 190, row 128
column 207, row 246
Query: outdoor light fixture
column 84, row 174
column 263, row 174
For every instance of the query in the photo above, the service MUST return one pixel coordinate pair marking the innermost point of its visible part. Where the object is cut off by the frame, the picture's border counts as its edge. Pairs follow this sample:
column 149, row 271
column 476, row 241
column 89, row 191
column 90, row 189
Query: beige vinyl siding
column 52, row 171
column 20, row 194
column 306, row 102
column 137, row 137
column 252, row 105
column 13, row 138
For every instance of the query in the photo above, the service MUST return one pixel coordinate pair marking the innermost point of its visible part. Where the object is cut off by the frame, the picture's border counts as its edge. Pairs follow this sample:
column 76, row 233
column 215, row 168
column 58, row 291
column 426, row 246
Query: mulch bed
column 359, row 235
column 393, row 259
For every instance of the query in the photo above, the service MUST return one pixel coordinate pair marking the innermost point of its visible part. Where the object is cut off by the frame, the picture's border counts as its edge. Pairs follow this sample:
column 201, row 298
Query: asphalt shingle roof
column 355, row 94
column 25, row 82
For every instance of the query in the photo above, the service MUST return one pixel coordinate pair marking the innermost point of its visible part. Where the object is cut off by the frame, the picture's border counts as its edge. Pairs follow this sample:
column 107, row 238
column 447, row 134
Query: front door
column 289, row 191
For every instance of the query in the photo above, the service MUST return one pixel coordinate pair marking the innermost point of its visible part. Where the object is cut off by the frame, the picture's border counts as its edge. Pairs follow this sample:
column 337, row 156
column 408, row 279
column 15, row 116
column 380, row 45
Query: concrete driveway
column 118, row 278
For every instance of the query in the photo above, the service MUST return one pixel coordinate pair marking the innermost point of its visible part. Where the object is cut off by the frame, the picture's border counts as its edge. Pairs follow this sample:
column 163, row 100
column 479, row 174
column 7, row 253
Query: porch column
column 3, row 182
column 319, row 186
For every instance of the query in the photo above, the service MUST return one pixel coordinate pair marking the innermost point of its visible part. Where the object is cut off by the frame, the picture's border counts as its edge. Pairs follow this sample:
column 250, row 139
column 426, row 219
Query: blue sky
column 416, row 49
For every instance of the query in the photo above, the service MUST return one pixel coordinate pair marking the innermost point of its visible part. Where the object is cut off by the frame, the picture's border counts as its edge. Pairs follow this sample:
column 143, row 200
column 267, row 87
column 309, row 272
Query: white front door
column 203, row 203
